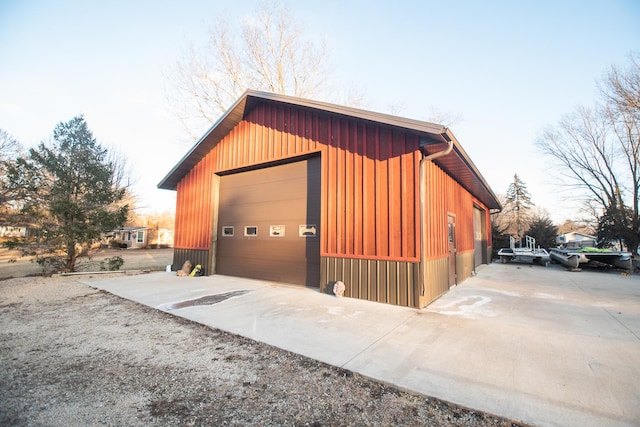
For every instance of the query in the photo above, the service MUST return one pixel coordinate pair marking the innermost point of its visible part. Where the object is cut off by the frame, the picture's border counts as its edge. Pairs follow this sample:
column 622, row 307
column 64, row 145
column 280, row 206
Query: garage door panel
column 265, row 213
column 275, row 196
column 264, row 269
column 275, row 174
column 265, row 192
column 265, row 249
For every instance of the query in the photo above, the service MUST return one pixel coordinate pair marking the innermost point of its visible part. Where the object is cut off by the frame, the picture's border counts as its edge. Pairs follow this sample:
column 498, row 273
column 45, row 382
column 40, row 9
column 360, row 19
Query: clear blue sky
column 507, row 68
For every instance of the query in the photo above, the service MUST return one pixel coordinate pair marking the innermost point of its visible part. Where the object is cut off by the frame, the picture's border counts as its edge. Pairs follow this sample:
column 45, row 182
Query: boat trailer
column 573, row 258
column 530, row 253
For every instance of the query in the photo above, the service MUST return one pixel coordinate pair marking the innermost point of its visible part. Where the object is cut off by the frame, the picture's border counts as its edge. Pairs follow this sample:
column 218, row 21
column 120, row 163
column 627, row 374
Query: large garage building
column 309, row 193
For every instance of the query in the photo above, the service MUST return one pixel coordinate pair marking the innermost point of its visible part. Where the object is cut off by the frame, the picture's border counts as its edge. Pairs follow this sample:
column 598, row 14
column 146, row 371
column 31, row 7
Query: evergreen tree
column 72, row 194
column 519, row 202
column 544, row 231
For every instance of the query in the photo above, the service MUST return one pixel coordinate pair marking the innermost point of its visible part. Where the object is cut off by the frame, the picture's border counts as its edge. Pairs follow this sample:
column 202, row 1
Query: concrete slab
column 540, row 345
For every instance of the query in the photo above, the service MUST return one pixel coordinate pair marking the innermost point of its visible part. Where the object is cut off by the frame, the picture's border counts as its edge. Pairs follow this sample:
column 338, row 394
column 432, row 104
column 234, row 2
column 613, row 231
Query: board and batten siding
column 444, row 197
column 370, row 210
column 370, row 194
column 369, row 180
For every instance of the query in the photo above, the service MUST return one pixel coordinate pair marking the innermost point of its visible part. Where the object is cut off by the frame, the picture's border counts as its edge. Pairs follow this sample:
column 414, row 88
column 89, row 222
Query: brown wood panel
column 436, row 279
column 391, row 282
column 194, row 256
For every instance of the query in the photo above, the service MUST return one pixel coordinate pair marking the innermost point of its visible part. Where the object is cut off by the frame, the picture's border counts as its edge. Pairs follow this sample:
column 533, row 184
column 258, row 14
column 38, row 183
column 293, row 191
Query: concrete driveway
column 540, row 345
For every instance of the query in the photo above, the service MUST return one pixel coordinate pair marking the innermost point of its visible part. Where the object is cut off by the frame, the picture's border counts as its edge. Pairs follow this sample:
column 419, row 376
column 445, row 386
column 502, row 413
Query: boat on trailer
column 589, row 256
column 529, row 253
column 567, row 259
column 578, row 249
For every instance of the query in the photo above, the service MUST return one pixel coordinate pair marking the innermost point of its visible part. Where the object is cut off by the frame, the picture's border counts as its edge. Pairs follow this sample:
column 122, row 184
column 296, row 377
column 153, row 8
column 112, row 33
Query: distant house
column 129, row 237
column 576, row 240
column 11, row 231
column 160, row 237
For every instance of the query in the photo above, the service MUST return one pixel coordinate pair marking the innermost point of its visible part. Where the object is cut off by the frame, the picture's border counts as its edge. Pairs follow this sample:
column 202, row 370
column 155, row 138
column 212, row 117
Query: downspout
column 423, row 202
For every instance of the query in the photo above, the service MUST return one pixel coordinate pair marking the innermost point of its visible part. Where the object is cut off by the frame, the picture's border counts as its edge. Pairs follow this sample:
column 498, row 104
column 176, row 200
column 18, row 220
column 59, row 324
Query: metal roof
column 457, row 164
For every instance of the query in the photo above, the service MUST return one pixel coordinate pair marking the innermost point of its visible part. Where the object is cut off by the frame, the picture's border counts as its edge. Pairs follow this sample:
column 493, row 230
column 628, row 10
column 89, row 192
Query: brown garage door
column 268, row 223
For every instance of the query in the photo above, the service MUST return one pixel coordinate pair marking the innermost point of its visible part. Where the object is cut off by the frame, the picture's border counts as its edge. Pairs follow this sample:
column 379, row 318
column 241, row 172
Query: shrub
column 111, row 264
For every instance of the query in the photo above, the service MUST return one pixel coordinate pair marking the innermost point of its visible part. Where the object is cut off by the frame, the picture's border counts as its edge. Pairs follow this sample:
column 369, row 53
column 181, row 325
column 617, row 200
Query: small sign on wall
column 276, row 230
column 307, row 230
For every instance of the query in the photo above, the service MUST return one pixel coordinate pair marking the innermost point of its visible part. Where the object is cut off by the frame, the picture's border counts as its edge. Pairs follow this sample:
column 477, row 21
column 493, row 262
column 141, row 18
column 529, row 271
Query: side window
column 276, row 231
column 307, row 230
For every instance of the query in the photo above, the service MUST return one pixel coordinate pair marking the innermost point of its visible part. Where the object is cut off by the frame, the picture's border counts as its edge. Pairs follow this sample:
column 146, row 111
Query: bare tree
column 9, row 146
column 268, row 52
column 446, row 118
column 621, row 91
column 10, row 149
column 584, row 157
column 579, row 226
column 597, row 150
column 622, row 86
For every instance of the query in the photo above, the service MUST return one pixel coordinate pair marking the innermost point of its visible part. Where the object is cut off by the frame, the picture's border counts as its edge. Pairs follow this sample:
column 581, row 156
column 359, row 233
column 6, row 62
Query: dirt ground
column 72, row 355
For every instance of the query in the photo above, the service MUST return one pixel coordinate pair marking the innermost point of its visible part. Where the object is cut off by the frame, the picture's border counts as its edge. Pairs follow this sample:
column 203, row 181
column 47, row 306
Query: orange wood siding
column 370, row 203
column 445, row 196
column 370, row 185
column 370, row 192
column 193, row 209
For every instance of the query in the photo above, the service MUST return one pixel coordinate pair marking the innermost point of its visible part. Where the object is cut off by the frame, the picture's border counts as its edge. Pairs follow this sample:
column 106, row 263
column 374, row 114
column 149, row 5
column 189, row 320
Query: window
column 251, row 230
column 227, row 231
column 140, row 237
column 307, row 230
column 276, row 230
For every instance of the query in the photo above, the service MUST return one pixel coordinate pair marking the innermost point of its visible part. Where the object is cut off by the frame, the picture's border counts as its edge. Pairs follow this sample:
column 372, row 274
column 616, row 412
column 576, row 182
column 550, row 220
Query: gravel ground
column 75, row 356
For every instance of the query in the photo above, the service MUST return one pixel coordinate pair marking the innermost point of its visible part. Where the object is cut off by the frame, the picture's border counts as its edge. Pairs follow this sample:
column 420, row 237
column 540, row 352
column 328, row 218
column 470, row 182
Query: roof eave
column 494, row 203
column 170, row 181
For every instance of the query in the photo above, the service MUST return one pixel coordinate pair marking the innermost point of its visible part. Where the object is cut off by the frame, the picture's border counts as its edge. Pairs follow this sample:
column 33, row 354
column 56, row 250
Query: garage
column 268, row 223
column 300, row 191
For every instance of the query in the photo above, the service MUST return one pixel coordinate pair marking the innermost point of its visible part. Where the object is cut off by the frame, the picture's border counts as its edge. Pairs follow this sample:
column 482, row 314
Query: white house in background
column 161, row 237
column 11, row 231
column 132, row 237
column 576, row 240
